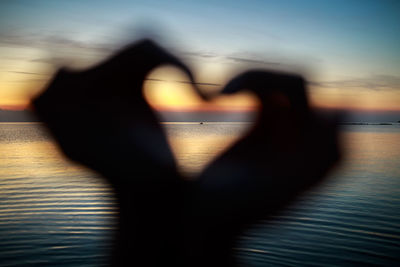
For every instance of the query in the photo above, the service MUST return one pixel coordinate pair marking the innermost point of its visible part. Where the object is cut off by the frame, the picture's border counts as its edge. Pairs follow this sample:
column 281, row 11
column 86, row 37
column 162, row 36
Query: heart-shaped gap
column 197, row 130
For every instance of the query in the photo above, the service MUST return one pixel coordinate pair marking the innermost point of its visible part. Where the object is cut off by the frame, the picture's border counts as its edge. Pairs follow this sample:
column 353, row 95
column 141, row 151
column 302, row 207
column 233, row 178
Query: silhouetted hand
column 100, row 116
column 288, row 150
column 100, row 119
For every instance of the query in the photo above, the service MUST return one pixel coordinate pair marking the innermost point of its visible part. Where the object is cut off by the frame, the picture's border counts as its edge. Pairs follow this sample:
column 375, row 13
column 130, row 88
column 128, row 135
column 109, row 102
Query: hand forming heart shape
column 101, row 119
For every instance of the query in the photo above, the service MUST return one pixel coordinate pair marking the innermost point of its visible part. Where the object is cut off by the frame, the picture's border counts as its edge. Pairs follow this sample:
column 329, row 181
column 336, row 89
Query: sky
column 347, row 50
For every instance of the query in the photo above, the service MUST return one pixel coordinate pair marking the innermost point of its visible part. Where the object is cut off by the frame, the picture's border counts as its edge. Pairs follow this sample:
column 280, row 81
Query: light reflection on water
column 57, row 213
column 195, row 145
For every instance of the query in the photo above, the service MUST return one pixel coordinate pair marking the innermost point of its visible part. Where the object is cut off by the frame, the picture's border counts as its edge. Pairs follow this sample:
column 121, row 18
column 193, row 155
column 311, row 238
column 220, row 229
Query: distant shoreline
column 208, row 117
column 369, row 123
column 227, row 122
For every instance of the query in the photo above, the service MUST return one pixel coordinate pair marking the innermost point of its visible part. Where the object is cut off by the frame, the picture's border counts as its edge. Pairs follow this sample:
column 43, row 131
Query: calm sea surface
column 54, row 213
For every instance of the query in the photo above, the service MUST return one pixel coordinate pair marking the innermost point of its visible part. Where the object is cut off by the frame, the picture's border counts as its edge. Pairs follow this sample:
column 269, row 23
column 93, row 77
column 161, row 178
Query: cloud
column 374, row 82
column 200, row 54
column 253, row 61
column 51, row 41
column 18, row 39
column 27, row 73
column 28, row 80
column 199, row 83
column 28, row 77
column 185, row 82
column 155, row 80
column 237, row 59
column 55, row 61
column 72, row 43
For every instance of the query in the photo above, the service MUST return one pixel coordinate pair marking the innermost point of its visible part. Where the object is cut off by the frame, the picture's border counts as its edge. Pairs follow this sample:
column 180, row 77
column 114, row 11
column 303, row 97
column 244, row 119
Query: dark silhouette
column 288, row 150
column 100, row 119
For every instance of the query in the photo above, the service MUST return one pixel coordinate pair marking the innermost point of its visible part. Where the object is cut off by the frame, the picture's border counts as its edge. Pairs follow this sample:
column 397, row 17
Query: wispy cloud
column 27, row 73
column 9, row 38
column 199, row 83
column 253, row 61
column 374, row 82
column 72, row 43
column 51, row 41
column 185, row 82
column 28, row 80
column 200, row 54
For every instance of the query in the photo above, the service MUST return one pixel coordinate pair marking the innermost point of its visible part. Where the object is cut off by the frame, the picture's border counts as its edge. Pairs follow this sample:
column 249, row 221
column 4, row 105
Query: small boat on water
column 201, row 122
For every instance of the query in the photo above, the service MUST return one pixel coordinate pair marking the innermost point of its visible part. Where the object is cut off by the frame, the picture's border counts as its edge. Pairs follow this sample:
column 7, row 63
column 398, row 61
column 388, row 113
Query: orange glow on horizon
column 169, row 90
column 371, row 101
column 14, row 107
column 164, row 95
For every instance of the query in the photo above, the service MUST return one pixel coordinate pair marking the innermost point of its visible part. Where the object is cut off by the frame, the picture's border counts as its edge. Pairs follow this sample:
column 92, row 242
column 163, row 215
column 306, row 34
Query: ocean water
column 55, row 213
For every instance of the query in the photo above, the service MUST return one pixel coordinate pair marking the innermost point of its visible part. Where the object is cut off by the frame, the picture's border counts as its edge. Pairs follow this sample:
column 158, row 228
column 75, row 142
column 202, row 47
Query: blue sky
column 348, row 49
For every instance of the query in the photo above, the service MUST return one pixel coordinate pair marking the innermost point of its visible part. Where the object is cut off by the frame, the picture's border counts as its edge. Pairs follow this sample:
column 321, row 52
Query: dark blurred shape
column 289, row 150
column 100, row 119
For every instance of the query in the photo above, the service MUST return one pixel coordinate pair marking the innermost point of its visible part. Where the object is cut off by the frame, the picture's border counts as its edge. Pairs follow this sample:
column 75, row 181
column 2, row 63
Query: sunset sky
column 347, row 50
